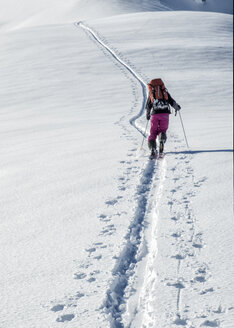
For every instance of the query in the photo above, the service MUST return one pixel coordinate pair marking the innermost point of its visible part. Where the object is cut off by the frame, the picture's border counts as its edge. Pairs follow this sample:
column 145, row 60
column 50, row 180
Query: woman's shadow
column 201, row 151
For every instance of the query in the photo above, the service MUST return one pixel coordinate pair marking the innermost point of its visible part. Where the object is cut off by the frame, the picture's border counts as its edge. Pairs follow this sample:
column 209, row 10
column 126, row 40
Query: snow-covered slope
column 192, row 248
column 225, row 6
column 92, row 234
column 30, row 13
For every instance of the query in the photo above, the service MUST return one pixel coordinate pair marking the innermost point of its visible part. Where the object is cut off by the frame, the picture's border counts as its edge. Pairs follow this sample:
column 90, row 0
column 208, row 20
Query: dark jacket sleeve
column 148, row 106
column 171, row 101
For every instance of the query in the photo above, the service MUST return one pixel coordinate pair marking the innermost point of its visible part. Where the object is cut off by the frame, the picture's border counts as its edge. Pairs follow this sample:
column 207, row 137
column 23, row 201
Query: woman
column 158, row 109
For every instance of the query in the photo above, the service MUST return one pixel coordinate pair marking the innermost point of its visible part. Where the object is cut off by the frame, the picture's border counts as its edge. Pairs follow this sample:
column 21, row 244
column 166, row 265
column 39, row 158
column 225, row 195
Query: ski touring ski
column 161, row 155
column 157, row 155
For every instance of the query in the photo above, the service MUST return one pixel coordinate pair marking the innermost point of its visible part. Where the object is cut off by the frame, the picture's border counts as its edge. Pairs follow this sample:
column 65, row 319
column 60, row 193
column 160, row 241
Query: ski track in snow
column 186, row 242
column 129, row 256
column 126, row 67
column 114, row 304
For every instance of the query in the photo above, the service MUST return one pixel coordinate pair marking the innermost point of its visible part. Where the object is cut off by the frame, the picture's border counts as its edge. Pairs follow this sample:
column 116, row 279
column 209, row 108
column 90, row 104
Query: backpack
column 158, row 95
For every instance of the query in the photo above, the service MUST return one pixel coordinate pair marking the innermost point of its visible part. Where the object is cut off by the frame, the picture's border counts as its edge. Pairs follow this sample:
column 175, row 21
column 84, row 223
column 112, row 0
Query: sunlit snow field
column 92, row 233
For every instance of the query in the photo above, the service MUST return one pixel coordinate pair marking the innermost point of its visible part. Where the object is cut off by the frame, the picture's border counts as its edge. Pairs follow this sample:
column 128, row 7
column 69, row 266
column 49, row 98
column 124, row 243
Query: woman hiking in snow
column 158, row 109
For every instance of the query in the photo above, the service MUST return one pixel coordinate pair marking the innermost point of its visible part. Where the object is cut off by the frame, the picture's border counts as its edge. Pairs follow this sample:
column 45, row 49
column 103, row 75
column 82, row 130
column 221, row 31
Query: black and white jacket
column 149, row 106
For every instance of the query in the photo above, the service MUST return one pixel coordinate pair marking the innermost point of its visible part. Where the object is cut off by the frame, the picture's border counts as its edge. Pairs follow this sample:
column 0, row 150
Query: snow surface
column 92, row 233
column 15, row 14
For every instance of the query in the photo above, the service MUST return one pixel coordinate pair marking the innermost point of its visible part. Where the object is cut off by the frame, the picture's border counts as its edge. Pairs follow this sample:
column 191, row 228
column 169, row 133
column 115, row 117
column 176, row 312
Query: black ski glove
column 148, row 116
column 177, row 106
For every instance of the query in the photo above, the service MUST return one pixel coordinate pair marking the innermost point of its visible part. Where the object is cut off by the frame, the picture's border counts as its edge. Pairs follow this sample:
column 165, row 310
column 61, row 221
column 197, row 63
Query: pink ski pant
column 159, row 123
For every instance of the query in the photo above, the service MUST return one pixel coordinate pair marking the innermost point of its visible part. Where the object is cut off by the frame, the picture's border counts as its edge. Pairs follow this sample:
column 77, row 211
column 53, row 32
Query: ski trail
column 115, row 302
column 145, row 299
column 128, row 68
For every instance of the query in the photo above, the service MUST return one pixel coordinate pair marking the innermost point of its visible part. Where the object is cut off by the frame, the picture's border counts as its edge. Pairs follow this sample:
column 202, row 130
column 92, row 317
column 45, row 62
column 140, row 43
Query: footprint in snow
column 201, row 275
column 90, row 250
column 102, row 216
column 98, row 257
column 177, row 234
column 200, row 278
column 98, row 244
column 65, row 317
column 92, row 279
column 109, row 230
column 111, row 202
column 92, row 274
column 208, row 290
column 174, row 218
column 191, row 194
column 80, row 275
column 203, row 269
column 179, row 257
column 75, row 298
column 197, row 245
column 79, row 295
column 211, row 323
column 58, row 307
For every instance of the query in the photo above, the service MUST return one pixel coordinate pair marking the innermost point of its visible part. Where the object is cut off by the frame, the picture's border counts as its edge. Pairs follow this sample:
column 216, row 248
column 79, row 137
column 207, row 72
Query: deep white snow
column 93, row 233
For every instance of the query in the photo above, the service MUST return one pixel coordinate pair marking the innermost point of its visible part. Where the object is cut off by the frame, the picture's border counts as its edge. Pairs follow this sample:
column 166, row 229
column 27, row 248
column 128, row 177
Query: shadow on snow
column 200, row 151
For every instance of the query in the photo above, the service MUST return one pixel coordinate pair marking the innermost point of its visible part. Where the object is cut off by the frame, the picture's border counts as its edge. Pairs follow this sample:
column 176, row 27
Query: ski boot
column 162, row 140
column 152, row 147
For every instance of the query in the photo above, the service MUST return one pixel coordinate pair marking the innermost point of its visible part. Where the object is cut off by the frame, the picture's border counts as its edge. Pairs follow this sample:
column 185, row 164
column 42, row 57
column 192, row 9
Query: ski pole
column 144, row 133
column 183, row 130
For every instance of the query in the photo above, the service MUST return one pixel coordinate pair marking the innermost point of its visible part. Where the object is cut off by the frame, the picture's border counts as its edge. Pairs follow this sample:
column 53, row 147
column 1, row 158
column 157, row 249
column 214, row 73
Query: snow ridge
column 124, row 269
